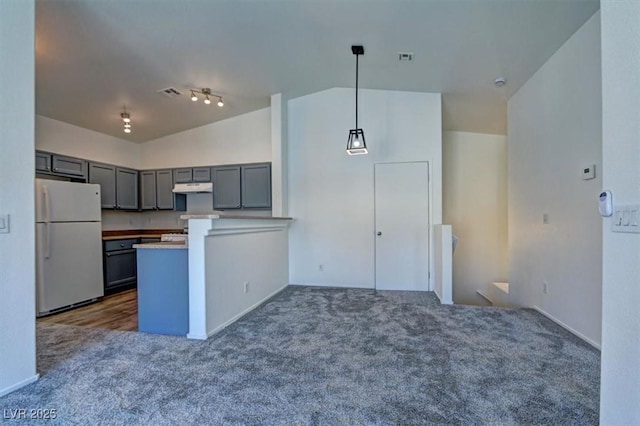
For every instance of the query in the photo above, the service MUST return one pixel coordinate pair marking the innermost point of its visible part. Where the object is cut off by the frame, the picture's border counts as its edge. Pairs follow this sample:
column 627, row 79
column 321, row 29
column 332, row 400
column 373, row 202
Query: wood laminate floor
column 115, row 312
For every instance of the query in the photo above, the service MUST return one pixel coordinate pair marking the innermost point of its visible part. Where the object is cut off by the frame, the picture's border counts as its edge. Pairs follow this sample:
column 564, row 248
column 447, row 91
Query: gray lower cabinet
column 156, row 190
column 226, row 187
column 105, row 176
column 256, row 186
column 118, row 186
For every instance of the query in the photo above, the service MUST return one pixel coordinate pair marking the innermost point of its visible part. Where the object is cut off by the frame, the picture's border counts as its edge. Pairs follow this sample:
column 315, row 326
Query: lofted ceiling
column 94, row 56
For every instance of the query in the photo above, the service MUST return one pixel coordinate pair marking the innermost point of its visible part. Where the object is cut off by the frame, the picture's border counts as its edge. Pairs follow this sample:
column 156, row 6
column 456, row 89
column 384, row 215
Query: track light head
column 220, row 102
column 194, row 98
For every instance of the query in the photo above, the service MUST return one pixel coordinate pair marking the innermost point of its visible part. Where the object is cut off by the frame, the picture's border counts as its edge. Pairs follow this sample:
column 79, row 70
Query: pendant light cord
column 357, row 91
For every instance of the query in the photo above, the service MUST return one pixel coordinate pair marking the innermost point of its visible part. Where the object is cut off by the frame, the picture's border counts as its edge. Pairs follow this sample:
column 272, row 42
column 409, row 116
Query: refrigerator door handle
column 47, row 244
column 47, row 207
column 47, row 221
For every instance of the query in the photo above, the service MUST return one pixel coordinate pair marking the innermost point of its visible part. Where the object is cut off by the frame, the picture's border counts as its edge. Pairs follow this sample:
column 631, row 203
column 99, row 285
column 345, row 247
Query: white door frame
column 429, row 225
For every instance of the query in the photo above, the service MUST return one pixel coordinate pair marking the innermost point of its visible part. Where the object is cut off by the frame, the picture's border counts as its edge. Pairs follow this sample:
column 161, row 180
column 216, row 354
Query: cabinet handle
column 121, row 245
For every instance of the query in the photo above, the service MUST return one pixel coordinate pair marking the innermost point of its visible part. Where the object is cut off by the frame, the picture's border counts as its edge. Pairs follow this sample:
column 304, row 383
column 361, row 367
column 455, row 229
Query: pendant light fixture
column 207, row 93
column 126, row 120
column 356, row 144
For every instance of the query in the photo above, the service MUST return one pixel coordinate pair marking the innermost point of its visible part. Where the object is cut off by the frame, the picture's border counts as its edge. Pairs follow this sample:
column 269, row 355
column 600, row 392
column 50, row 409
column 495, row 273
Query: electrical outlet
column 246, row 286
column 545, row 287
column 321, row 267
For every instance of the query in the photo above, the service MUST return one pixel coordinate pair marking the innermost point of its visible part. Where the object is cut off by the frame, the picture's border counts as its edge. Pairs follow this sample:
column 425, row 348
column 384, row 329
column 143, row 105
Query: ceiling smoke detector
column 405, row 56
column 170, row 92
column 500, row 81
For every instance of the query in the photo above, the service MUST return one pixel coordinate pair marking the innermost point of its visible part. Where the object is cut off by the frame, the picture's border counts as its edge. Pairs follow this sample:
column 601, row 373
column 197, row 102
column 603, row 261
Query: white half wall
column 555, row 128
column 443, row 270
column 17, row 248
column 242, row 139
column 620, row 377
column 474, row 197
column 331, row 194
column 67, row 139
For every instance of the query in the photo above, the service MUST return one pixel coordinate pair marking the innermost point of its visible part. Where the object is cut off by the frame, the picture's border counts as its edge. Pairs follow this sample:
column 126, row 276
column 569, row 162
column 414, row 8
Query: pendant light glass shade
column 356, row 144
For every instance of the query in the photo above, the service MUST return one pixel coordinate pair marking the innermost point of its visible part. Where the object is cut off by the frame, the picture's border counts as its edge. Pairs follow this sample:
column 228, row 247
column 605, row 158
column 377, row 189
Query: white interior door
column 402, row 226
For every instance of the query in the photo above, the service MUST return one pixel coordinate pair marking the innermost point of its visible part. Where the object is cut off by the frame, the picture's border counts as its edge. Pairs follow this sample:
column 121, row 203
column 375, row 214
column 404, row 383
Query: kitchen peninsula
column 234, row 263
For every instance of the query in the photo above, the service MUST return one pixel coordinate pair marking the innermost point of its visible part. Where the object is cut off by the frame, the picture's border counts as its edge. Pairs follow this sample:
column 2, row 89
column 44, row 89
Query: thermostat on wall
column 589, row 172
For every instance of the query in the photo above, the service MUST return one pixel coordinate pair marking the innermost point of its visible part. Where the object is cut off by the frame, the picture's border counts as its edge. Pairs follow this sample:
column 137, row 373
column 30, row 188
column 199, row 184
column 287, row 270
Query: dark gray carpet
column 324, row 356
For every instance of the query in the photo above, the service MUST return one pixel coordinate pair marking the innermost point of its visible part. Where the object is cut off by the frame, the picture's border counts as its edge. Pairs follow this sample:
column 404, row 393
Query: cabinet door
column 68, row 166
column 43, row 162
column 126, row 189
column 183, row 175
column 148, row 190
column 105, row 176
column 256, row 186
column 202, row 174
column 164, row 188
column 226, row 187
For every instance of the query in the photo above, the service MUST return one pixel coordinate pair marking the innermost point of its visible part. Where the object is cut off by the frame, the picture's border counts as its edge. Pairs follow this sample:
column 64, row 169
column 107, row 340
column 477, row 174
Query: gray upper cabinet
column 202, row 174
column 256, row 186
column 183, row 175
column 164, row 190
column 43, row 161
column 148, row 190
column 192, row 174
column 105, row 176
column 156, row 190
column 242, row 186
column 61, row 165
column 226, row 187
column 126, row 189
column 68, row 166
column 118, row 186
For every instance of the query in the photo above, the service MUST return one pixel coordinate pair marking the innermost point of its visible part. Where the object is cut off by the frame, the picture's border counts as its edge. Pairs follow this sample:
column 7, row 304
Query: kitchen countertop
column 162, row 245
column 230, row 216
column 137, row 233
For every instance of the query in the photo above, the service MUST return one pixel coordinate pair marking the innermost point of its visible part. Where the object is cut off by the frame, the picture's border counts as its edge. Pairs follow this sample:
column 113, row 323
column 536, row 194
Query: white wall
column 474, row 197
column 331, row 193
column 17, row 260
column 64, row 138
column 555, row 127
column 620, row 378
column 242, row 139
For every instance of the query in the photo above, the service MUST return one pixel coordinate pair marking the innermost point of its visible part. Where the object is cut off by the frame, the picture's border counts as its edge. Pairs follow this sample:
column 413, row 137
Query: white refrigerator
column 68, row 244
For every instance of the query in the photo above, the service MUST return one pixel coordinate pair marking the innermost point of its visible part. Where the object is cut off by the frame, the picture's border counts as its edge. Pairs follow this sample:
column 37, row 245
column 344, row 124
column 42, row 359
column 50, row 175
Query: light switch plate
column 4, row 223
column 626, row 219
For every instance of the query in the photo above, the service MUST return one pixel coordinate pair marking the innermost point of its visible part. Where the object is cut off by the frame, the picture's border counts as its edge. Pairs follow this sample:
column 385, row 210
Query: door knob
column 379, row 233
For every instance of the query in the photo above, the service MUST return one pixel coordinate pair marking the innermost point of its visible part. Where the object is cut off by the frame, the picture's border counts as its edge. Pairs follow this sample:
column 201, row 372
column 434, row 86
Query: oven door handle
column 118, row 252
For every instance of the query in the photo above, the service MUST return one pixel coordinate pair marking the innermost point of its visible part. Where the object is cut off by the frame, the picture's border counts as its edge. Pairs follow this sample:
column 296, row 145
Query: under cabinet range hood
column 190, row 188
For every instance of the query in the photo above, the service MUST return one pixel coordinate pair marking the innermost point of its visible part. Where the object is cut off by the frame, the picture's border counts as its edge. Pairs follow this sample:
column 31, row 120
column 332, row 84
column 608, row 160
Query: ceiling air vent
column 405, row 56
column 170, row 92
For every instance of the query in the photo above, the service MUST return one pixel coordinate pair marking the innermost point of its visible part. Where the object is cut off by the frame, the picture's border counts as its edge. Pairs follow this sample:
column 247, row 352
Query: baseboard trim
column 246, row 311
column 566, row 327
column 18, row 385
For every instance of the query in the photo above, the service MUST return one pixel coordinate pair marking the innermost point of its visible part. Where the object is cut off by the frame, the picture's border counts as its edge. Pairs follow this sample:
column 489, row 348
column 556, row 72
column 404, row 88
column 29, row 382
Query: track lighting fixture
column 207, row 94
column 356, row 144
column 126, row 120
